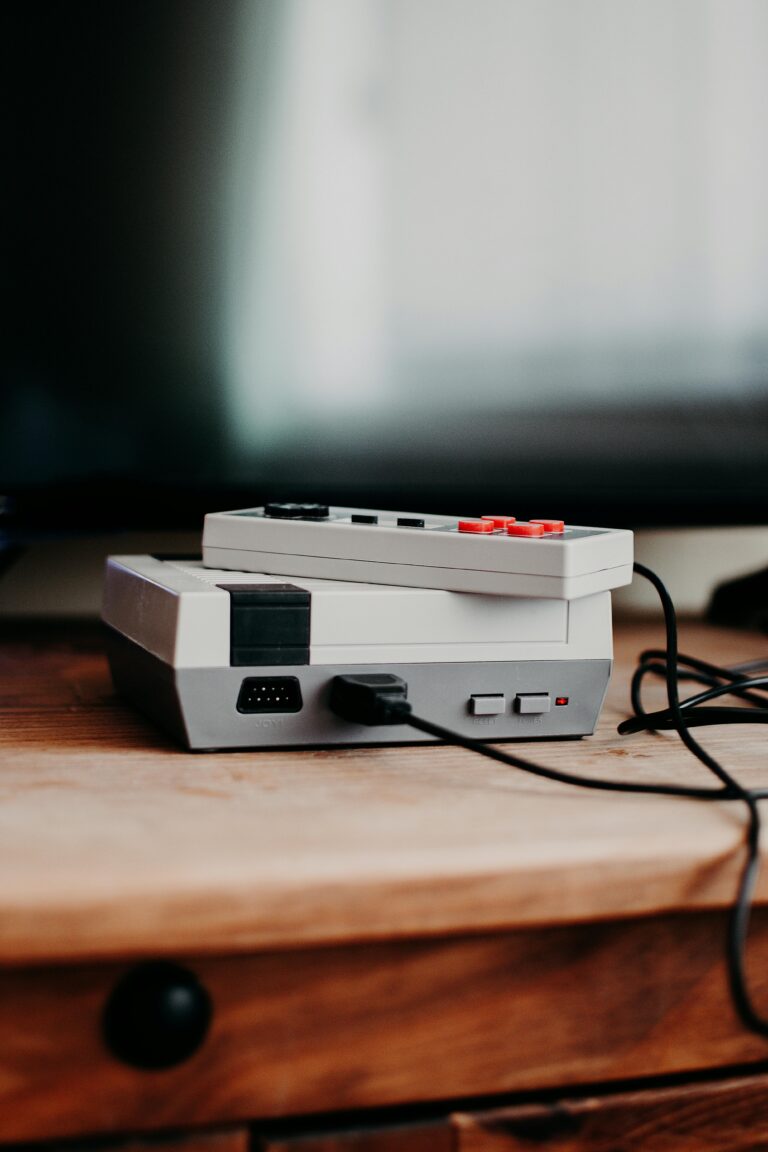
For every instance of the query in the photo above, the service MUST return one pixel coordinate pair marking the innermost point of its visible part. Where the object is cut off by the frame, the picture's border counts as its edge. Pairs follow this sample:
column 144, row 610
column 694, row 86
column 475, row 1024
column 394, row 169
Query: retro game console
column 225, row 659
column 491, row 554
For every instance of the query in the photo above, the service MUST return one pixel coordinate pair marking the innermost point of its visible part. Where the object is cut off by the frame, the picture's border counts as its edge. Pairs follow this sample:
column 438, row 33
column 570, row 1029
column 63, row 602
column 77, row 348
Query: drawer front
column 729, row 1116
column 213, row 1140
column 436, row 1136
column 370, row 1026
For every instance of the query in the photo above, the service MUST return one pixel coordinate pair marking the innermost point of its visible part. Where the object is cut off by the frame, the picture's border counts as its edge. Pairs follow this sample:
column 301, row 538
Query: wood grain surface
column 440, row 1136
column 204, row 1140
column 730, row 1116
column 213, row 1140
column 337, row 1029
column 114, row 842
column 725, row 1116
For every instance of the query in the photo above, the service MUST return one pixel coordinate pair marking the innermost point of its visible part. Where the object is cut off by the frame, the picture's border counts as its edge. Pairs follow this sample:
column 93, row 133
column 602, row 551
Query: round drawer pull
column 157, row 1015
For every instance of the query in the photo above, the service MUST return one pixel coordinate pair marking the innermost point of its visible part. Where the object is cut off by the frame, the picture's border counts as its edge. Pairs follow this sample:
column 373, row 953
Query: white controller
column 492, row 554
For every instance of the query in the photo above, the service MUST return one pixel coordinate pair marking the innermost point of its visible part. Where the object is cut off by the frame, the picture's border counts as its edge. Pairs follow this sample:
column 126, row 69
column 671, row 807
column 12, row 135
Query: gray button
column 491, row 704
column 532, row 703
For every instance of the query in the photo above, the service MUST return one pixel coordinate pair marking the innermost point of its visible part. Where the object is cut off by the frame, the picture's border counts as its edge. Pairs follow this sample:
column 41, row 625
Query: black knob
column 156, row 1016
column 297, row 511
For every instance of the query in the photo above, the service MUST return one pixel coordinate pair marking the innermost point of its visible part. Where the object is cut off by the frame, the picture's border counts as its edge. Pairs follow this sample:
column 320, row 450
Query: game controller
column 489, row 554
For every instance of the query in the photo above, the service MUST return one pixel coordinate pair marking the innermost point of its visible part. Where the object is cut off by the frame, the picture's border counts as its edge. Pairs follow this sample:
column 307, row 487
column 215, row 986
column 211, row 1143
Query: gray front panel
column 206, row 700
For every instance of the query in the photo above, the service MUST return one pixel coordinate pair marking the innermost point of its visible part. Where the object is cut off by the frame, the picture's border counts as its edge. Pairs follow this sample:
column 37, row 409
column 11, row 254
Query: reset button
column 490, row 704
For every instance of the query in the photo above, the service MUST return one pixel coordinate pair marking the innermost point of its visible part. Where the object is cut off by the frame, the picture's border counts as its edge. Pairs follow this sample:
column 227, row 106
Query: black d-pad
column 296, row 511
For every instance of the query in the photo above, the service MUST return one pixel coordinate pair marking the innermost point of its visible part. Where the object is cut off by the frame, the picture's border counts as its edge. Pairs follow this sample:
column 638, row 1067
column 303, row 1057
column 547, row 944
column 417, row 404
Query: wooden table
column 405, row 947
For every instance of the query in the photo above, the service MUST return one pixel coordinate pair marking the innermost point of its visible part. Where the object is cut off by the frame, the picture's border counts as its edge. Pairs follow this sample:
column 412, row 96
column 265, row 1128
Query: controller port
column 269, row 694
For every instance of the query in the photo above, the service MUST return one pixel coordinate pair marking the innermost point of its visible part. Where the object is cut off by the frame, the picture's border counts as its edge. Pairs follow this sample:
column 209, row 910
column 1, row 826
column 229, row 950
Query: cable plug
column 376, row 698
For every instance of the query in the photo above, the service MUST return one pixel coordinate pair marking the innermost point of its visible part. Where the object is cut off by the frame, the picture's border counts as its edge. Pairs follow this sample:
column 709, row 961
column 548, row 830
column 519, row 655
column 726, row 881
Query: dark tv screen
column 455, row 255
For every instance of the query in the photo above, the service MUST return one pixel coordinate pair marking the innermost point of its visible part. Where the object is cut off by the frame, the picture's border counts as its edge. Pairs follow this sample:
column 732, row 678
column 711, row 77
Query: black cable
column 738, row 926
column 740, row 688
column 663, row 718
column 749, row 665
column 700, row 670
column 450, row 737
column 739, row 919
column 383, row 707
column 662, row 721
column 727, row 690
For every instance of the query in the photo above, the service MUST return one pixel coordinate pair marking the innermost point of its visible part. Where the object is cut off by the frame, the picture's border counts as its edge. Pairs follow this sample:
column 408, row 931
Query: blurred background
column 443, row 255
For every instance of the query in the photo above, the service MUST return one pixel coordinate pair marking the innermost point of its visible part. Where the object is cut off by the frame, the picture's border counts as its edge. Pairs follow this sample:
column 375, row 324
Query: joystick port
column 269, row 694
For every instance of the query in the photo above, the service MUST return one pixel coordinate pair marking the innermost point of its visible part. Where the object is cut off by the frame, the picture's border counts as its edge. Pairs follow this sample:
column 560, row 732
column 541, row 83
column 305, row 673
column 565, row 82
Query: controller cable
column 381, row 699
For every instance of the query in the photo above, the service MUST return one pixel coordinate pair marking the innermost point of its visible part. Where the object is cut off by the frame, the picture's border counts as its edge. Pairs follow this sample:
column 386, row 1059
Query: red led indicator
column 561, row 700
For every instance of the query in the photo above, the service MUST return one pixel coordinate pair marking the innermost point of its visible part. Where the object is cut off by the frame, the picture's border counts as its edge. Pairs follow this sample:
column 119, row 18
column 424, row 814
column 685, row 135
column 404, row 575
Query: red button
column 525, row 529
column 551, row 525
column 475, row 526
column 499, row 521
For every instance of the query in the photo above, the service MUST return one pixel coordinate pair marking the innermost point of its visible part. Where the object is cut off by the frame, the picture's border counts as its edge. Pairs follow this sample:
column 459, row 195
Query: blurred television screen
column 444, row 253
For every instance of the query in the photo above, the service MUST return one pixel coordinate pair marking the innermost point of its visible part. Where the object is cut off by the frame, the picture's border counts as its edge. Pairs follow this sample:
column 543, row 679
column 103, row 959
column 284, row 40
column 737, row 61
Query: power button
column 532, row 703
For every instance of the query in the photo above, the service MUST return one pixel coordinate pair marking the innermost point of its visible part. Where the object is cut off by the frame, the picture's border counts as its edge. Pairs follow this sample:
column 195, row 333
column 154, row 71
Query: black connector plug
column 376, row 698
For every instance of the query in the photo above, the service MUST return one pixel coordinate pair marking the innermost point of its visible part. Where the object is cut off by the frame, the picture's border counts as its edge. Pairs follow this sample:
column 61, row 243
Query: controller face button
column 297, row 511
column 409, row 522
column 525, row 529
column 550, row 525
column 363, row 518
column 477, row 526
column 500, row 522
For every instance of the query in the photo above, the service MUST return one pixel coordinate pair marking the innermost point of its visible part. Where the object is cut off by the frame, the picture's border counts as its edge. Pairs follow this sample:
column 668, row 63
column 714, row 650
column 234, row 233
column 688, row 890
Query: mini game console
column 227, row 659
column 490, row 554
